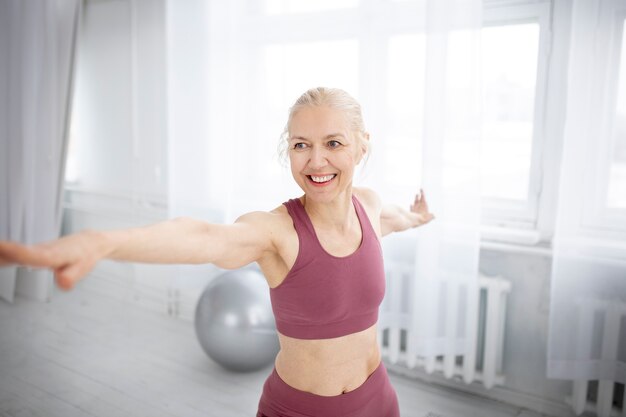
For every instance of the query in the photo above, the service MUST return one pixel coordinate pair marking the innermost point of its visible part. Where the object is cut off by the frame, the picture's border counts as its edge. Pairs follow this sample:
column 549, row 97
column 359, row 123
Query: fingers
column 419, row 201
column 67, row 258
column 64, row 279
column 6, row 253
column 420, row 207
column 419, row 197
column 15, row 253
column 67, row 276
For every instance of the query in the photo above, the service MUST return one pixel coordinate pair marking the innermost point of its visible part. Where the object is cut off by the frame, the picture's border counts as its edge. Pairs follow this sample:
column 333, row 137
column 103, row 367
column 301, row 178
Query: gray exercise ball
column 235, row 323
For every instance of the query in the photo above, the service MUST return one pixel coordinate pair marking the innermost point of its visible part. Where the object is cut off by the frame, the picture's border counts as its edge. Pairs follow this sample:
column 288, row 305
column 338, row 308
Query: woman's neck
column 337, row 214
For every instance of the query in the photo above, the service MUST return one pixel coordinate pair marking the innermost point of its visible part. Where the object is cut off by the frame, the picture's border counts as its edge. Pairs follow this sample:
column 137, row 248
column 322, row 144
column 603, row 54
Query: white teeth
column 323, row 179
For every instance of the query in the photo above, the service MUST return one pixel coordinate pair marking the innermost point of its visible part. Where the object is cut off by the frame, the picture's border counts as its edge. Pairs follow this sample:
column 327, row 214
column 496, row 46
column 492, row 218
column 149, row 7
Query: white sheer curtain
column 588, row 289
column 257, row 63
column 37, row 41
column 442, row 282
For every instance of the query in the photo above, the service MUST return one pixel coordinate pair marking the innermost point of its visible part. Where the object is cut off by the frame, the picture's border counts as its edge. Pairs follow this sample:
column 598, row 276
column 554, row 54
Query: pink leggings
column 375, row 398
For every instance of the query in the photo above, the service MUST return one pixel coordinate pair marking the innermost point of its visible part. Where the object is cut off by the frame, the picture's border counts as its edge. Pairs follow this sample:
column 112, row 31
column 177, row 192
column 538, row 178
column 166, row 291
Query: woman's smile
column 321, row 180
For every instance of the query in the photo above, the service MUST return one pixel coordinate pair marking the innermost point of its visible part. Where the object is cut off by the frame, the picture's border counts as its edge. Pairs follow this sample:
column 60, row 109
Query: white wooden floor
column 84, row 354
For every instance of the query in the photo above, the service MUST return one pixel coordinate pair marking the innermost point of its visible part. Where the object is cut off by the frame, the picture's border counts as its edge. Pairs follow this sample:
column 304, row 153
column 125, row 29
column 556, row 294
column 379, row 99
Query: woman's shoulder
column 372, row 204
column 265, row 218
column 274, row 225
column 368, row 198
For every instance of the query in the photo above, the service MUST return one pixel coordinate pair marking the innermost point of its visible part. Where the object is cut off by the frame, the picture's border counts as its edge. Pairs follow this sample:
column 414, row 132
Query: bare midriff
column 328, row 367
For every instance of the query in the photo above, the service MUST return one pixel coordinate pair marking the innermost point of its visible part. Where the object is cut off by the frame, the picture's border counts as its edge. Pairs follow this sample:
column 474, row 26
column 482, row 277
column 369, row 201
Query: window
column 516, row 41
column 512, row 109
column 405, row 109
column 376, row 51
column 605, row 209
column 291, row 68
column 509, row 75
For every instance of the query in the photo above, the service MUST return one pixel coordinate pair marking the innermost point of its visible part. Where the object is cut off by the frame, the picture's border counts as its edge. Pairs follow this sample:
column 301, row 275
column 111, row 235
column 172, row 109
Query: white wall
column 525, row 347
column 118, row 173
column 119, row 125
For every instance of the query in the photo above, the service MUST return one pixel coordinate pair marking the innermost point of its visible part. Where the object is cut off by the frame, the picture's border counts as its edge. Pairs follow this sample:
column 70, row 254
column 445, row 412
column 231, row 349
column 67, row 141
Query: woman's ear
column 366, row 142
column 363, row 141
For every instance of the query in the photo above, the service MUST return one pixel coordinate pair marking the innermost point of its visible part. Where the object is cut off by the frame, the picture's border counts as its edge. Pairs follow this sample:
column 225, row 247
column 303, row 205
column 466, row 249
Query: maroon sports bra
column 325, row 296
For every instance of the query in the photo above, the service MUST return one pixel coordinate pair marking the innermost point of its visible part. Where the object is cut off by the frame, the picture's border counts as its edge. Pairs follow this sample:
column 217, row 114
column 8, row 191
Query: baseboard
column 505, row 395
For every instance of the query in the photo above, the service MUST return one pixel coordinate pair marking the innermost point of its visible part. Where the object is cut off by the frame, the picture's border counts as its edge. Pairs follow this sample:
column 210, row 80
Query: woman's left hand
column 420, row 207
column 394, row 218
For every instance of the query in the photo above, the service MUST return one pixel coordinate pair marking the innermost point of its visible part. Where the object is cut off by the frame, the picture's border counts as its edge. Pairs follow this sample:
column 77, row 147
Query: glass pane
column 306, row 6
column 616, row 197
column 509, row 68
column 291, row 69
column 405, row 104
column 461, row 146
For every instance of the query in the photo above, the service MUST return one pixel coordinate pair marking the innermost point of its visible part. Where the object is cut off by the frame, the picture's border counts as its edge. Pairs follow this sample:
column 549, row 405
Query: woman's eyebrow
column 329, row 136
column 334, row 135
column 297, row 138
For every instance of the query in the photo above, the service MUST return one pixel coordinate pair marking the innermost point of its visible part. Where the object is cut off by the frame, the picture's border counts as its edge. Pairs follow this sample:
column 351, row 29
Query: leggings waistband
column 310, row 403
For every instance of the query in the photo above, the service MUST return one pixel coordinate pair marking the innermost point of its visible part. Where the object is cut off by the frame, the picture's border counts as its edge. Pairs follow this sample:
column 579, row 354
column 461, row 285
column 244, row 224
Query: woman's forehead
column 318, row 121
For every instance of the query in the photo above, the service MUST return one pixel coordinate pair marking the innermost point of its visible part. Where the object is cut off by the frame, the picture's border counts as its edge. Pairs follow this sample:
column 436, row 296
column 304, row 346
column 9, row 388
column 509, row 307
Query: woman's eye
column 334, row 144
column 299, row 145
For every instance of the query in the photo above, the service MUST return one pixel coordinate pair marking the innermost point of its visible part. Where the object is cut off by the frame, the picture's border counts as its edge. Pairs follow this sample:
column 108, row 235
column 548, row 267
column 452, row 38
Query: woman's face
column 323, row 152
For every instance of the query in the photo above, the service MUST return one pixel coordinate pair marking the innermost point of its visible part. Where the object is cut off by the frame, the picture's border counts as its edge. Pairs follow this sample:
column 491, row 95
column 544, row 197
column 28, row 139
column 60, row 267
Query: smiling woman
column 320, row 254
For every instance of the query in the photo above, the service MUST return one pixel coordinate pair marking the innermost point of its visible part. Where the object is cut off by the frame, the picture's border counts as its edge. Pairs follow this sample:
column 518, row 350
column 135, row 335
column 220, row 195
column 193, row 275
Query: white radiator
column 604, row 398
column 484, row 313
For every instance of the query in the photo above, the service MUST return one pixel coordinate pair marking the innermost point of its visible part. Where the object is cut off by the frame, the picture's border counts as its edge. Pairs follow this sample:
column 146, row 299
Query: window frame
column 501, row 214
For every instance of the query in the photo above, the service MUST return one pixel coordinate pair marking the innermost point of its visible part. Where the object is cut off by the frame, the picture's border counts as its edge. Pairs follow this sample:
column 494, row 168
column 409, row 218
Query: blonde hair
column 334, row 98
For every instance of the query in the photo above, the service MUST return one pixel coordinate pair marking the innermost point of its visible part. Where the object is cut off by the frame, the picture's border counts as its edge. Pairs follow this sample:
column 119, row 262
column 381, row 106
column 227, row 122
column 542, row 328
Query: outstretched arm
column 181, row 240
column 396, row 219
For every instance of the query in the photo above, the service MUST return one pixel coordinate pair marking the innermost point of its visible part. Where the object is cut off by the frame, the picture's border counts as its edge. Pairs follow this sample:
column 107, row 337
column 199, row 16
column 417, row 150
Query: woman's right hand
column 70, row 257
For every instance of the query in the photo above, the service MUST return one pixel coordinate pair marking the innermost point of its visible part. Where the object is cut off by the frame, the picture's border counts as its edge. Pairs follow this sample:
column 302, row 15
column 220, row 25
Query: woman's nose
column 317, row 158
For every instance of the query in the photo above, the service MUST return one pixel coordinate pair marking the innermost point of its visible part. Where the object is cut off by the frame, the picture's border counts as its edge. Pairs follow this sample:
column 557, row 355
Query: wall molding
column 123, row 206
